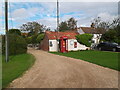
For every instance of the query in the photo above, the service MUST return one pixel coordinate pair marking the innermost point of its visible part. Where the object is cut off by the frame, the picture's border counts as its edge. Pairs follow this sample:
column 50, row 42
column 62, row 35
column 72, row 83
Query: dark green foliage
column 71, row 24
column 33, row 28
column 111, row 36
column 40, row 38
column 17, row 44
column 29, row 40
column 63, row 26
column 111, row 29
column 34, row 37
column 14, row 31
column 84, row 39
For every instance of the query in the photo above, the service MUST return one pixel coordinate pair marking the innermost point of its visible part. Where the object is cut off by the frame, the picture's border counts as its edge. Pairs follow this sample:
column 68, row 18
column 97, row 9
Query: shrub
column 111, row 36
column 14, row 31
column 29, row 40
column 40, row 38
column 34, row 37
column 85, row 39
column 17, row 44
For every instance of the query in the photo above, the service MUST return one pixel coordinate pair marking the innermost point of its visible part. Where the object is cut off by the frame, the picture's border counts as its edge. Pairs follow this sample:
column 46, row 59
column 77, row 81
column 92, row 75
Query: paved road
column 53, row 71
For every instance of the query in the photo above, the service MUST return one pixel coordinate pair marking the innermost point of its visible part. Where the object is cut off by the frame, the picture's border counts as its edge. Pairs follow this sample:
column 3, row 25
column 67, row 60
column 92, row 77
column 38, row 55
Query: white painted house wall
column 55, row 45
column 71, row 45
column 96, row 38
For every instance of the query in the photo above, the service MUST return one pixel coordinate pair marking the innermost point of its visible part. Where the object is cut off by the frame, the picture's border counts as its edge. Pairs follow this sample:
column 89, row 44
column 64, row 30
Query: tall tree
column 116, row 23
column 100, row 25
column 113, row 34
column 72, row 23
column 33, row 28
column 63, row 26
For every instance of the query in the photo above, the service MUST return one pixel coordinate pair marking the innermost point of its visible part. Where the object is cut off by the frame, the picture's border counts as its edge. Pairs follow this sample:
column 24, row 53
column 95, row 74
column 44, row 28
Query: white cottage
column 61, row 41
column 96, row 33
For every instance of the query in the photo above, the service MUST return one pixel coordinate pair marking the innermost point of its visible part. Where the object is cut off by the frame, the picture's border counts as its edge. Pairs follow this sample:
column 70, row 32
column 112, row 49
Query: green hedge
column 40, row 38
column 14, row 31
column 85, row 39
column 17, row 44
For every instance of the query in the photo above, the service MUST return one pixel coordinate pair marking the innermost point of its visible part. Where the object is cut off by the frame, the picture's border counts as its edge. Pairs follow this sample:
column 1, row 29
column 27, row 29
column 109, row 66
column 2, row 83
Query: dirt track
column 53, row 71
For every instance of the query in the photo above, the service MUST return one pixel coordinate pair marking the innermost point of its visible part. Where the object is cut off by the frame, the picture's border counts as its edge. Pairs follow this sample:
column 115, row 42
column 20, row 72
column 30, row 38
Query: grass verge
column 15, row 67
column 103, row 58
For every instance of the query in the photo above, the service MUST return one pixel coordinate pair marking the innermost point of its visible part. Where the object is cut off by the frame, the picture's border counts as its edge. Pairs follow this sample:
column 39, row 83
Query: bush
column 40, row 38
column 85, row 39
column 111, row 36
column 34, row 37
column 14, row 31
column 17, row 44
column 29, row 40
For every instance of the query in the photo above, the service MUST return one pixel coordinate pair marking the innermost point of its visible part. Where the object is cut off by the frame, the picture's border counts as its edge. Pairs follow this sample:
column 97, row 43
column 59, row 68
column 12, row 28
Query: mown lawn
column 15, row 67
column 103, row 58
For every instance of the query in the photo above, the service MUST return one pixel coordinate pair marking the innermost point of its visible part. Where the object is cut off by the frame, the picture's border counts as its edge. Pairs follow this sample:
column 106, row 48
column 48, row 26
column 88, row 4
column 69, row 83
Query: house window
column 71, row 42
column 75, row 44
column 50, row 44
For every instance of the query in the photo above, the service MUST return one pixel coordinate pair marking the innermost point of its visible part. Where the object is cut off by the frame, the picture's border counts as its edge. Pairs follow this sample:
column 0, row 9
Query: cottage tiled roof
column 91, row 30
column 57, row 35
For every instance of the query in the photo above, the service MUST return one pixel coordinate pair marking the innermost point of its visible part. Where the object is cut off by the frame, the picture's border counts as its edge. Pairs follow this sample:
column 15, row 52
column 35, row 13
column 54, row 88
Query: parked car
column 107, row 46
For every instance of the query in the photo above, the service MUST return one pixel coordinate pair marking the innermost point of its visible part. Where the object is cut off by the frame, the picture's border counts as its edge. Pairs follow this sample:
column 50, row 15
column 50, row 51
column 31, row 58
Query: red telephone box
column 64, row 44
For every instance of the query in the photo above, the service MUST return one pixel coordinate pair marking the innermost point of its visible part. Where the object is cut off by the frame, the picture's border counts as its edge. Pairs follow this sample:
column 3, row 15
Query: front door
column 64, row 45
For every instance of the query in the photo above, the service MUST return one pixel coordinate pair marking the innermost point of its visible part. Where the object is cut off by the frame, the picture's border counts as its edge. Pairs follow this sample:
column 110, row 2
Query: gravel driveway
column 54, row 71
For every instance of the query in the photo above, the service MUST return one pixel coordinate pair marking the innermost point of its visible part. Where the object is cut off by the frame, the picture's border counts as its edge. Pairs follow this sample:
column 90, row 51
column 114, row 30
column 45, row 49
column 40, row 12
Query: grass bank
column 17, row 65
column 103, row 58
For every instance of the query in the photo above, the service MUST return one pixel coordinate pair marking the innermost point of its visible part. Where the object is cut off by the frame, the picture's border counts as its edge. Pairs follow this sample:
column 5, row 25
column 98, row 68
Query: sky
column 45, row 13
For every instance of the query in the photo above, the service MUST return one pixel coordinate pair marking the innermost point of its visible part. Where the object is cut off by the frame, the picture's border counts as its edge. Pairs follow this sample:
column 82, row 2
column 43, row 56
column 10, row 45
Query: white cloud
column 107, row 17
column 49, row 22
column 88, row 7
column 85, row 12
column 22, row 13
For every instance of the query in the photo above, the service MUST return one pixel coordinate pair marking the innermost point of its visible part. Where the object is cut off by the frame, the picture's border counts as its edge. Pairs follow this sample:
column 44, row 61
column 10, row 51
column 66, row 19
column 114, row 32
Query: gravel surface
column 54, row 71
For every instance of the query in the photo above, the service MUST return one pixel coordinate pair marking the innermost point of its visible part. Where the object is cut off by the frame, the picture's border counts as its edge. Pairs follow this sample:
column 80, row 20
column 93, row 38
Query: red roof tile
column 57, row 35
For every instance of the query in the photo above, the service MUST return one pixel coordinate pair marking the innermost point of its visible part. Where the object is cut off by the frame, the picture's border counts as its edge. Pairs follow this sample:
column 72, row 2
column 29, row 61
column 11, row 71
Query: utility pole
column 57, row 15
column 57, row 25
column 6, row 28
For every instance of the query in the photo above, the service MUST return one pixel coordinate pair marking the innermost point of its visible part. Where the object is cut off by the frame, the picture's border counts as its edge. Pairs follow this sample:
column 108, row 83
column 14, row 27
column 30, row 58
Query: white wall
column 54, row 47
column 71, row 45
column 96, row 38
